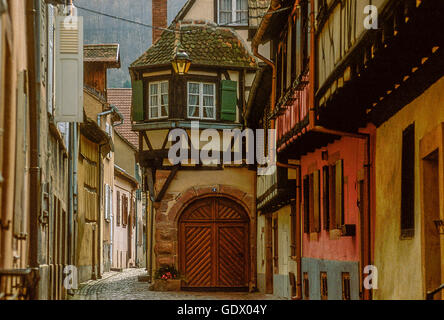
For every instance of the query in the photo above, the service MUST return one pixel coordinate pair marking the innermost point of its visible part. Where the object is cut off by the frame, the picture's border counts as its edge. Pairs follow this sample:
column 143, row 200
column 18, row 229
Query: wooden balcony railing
column 18, row 284
column 294, row 110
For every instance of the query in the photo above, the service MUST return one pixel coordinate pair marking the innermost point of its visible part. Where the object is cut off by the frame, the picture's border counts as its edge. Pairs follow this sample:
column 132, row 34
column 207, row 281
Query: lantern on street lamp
column 181, row 61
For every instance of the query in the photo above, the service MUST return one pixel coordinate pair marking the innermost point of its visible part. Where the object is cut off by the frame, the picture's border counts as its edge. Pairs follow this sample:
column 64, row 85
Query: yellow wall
column 124, row 155
column 240, row 178
column 399, row 261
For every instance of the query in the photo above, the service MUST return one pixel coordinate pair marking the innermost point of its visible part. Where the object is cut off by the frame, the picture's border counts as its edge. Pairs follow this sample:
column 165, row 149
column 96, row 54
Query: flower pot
column 167, row 285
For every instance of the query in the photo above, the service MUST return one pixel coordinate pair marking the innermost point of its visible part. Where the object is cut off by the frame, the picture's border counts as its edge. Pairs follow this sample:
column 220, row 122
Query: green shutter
column 228, row 100
column 137, row 100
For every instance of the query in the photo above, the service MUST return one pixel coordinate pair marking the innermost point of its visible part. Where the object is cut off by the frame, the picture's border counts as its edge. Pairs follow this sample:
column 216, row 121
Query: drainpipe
column 298, row 236
column 33, row 45
column 150, row 268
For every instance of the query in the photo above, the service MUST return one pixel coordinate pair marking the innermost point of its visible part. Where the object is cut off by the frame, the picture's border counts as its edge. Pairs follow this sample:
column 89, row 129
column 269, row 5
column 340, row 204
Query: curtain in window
column 242, row 11
column 153, row 101
column 193, row 99
column 225, row 11
column 164, row 99
column 208, row 100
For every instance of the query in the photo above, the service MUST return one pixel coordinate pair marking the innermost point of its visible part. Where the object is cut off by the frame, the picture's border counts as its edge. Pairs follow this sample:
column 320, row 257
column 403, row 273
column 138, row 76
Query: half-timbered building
column 329, row 156
column 202, row 213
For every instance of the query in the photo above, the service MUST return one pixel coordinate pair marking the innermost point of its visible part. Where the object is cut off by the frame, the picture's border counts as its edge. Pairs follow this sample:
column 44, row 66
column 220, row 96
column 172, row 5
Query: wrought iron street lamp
column 181, row 61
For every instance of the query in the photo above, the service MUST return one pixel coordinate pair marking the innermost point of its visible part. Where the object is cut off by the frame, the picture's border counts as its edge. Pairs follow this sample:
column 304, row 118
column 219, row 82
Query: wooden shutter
column 228, row 100
column 118, row 209
column 408, row 182
column 311, row 204
column 326, row 198
column 106, row 201
column 332, row 196
column 20, row 157
column 137, row 100
column 306, row 185
column 69, row 69
column 276, row 245
column 339, row 193
column 316, row 202
column 124, row 210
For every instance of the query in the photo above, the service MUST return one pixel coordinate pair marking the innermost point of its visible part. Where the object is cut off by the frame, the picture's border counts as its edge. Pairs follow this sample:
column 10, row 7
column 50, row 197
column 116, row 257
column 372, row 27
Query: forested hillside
column 133, row 39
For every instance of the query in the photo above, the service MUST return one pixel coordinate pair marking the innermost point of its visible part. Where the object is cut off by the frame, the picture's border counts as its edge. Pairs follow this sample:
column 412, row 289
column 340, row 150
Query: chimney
column 159, row 14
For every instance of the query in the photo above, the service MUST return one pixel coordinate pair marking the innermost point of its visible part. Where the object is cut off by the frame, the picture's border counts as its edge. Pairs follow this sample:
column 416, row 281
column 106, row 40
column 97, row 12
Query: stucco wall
column 334, row 270
column 399, row 261
column 124, row 155
column 352, row 151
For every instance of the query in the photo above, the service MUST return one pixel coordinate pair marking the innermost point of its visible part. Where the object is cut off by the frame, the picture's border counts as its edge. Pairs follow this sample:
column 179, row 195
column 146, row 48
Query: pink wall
column 352, row 151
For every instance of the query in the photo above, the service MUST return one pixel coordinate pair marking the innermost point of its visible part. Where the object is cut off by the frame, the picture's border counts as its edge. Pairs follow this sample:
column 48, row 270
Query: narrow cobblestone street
column 125, row 286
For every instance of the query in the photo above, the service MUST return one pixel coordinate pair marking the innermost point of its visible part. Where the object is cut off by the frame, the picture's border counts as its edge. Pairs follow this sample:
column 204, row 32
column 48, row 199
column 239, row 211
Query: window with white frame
column 201, row 100
column 158, row 99
column 233, row 12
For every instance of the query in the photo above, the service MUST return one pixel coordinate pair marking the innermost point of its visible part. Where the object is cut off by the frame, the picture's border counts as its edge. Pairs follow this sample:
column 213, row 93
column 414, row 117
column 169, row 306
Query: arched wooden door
column 214, row 245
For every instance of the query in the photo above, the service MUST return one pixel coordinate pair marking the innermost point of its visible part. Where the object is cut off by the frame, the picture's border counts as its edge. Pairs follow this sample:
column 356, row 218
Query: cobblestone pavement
column 125, row 286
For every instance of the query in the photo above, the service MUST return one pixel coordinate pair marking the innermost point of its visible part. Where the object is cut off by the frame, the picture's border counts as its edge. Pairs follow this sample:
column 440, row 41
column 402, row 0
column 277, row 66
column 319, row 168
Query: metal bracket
column 5, row 226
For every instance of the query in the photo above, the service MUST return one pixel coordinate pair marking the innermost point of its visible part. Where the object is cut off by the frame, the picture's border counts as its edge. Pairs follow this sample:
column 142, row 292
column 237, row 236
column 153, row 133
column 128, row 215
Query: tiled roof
column 256, row 10
column 205, row 43
column 107, row 53
column 121, row 98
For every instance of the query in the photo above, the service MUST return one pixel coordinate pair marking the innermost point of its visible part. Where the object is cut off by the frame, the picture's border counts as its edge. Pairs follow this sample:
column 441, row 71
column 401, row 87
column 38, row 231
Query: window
column 201, row 100
column 336, row 196
column 312, row 203
column 324, row 286
column 233, row 12
column 346, row 294
column 306, row 287
column 408, row 182
column 158, row 100
column 124, row 210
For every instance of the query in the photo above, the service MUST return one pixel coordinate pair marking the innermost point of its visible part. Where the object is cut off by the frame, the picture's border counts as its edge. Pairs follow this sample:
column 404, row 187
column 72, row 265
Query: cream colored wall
column 202, row 9
column 399, row 261
column 240, row 178
column 92, row 105
column 124, row 156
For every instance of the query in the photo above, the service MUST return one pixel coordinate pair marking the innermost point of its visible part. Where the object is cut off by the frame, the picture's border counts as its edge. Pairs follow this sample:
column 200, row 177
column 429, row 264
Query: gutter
column 33, row 42
column 275, row 4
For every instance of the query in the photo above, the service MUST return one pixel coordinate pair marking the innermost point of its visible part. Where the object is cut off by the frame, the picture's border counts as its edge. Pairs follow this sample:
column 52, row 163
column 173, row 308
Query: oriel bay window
column 201, row 100
column 158, row 99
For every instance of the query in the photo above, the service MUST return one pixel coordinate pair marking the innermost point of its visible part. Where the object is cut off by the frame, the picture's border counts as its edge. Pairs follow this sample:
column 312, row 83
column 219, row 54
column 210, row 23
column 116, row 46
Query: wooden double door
column 214, row 245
